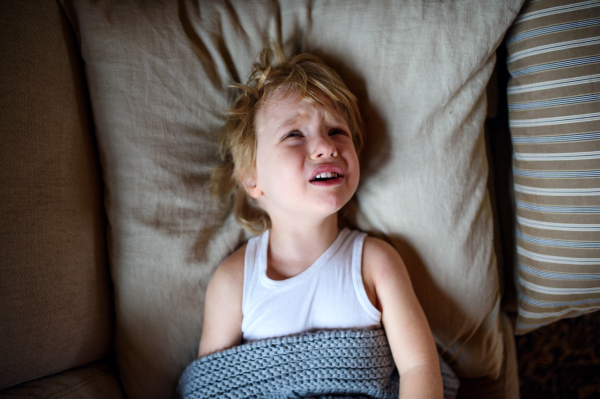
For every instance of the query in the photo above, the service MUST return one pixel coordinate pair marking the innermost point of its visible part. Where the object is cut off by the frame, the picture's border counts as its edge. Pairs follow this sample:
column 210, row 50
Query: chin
column 332, row 205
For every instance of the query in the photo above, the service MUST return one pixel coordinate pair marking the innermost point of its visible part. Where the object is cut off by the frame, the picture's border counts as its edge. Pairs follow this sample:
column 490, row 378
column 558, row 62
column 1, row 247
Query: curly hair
column 304, row 74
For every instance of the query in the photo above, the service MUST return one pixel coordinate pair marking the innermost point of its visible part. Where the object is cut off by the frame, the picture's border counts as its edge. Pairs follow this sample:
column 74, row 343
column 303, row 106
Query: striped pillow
column 554, row 109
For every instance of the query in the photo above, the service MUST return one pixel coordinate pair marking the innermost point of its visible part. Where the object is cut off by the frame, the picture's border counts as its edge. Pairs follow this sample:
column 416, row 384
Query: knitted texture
column 341, row 363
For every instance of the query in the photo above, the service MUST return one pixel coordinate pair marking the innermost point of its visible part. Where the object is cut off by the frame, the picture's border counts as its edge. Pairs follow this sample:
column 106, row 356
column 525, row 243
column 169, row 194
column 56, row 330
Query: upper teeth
column 327, row 175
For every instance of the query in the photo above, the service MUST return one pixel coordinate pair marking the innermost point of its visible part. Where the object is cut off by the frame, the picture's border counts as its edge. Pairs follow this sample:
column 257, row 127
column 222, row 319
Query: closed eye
column 293, row 134
column 338, row 131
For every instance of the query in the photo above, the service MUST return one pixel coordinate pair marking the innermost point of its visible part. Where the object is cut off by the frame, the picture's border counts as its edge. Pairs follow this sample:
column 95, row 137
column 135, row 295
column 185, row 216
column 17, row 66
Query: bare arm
column 406, row 326
column 222, row 327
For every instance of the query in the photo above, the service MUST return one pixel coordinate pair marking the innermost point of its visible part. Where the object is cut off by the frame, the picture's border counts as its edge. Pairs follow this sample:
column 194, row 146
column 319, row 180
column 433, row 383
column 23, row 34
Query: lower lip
column 328, row 183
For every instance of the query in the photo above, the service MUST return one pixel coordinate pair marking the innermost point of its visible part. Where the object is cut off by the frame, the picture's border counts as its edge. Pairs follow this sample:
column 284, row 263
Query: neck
column 293, row 247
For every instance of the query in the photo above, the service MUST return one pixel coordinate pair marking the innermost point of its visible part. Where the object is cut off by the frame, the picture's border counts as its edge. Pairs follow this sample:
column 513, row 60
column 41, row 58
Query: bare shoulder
column 380, row 258
column 226, row 286
column 377, row 247
column 223, row 305
column 381, row 265
column 231, row 271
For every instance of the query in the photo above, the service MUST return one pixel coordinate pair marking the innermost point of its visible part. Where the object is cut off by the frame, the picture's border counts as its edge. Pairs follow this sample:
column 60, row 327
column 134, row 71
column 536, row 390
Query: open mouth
column 325, row 176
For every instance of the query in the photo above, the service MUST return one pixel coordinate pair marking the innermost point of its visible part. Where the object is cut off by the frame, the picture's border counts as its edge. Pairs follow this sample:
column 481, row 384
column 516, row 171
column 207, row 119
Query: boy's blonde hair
column 304, row 74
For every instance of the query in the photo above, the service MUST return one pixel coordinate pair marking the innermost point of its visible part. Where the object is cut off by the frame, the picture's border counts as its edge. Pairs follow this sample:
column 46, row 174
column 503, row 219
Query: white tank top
column 329, row 294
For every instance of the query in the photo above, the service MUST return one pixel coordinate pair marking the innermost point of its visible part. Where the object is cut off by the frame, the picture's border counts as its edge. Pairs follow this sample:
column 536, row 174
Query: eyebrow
column 332, row 118
column 289, row 121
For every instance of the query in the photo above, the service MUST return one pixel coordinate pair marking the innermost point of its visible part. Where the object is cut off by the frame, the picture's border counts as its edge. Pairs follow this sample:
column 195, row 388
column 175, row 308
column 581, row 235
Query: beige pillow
column 158, row 77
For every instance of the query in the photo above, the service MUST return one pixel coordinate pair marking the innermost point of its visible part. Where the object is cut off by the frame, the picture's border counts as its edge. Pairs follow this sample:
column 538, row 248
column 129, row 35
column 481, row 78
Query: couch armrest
column 56, row 306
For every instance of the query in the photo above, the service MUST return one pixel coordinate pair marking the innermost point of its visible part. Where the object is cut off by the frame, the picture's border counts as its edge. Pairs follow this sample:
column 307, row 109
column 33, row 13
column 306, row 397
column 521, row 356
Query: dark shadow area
column 500, row 183
column 561, row 360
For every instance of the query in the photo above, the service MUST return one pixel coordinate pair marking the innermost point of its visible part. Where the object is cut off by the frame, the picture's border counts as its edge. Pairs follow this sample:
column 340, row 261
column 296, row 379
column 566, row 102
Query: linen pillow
column 158, row 75
column 553, row 95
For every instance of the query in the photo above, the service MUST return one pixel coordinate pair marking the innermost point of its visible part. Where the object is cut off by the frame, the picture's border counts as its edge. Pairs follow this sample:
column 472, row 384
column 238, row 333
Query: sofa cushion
column 98, row 380
column 56, row 299
column 554, row 99
column 158, row 75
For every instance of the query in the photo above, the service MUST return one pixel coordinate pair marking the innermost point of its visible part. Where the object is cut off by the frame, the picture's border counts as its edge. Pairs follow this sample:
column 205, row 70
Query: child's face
column 297, row 141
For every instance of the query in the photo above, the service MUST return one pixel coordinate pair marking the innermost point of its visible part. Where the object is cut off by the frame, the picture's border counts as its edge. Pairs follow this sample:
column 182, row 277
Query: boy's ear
column 249, row 183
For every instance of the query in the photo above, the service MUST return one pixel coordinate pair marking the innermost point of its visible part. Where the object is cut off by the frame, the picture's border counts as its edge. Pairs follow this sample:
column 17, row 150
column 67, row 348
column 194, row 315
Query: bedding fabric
column 554, row 99
column 158, row 75
column 335, row 363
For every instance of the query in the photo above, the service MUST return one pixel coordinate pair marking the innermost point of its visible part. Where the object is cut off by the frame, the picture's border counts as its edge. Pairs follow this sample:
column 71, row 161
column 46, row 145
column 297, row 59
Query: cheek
column 352, row 160
column 353, row 167
column 261, row 167
column 356, row 180
column 276, row 169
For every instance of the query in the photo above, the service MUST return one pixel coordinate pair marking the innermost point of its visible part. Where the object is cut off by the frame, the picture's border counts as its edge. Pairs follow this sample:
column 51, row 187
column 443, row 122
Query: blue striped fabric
column 560, row 276
column 556, row 65
column 555, row 243
column 545, row 304
column 545, row 85
column 557, row 139
column 555, row 102
column 556, row 174
column 557, row 192
column 556, row 120
column 554, row 110
column 568, row 45
column 553, row 29
column 527, row 15
column 558, row 209
column 558, row 156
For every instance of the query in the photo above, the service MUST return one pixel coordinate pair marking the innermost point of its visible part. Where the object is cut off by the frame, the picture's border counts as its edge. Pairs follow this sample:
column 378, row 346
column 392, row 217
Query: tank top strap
column 357, row 280
column 254, row 260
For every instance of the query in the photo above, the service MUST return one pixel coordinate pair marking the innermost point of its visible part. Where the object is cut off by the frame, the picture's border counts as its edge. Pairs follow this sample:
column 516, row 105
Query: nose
column 323, row 148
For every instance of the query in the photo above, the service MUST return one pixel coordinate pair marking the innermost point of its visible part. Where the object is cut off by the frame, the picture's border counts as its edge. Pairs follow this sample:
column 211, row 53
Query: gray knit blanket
column 324, row 364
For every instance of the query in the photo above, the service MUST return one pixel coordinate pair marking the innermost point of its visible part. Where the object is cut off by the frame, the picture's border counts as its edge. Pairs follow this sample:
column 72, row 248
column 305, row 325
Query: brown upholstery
column 98, row 380
column 55, row 307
